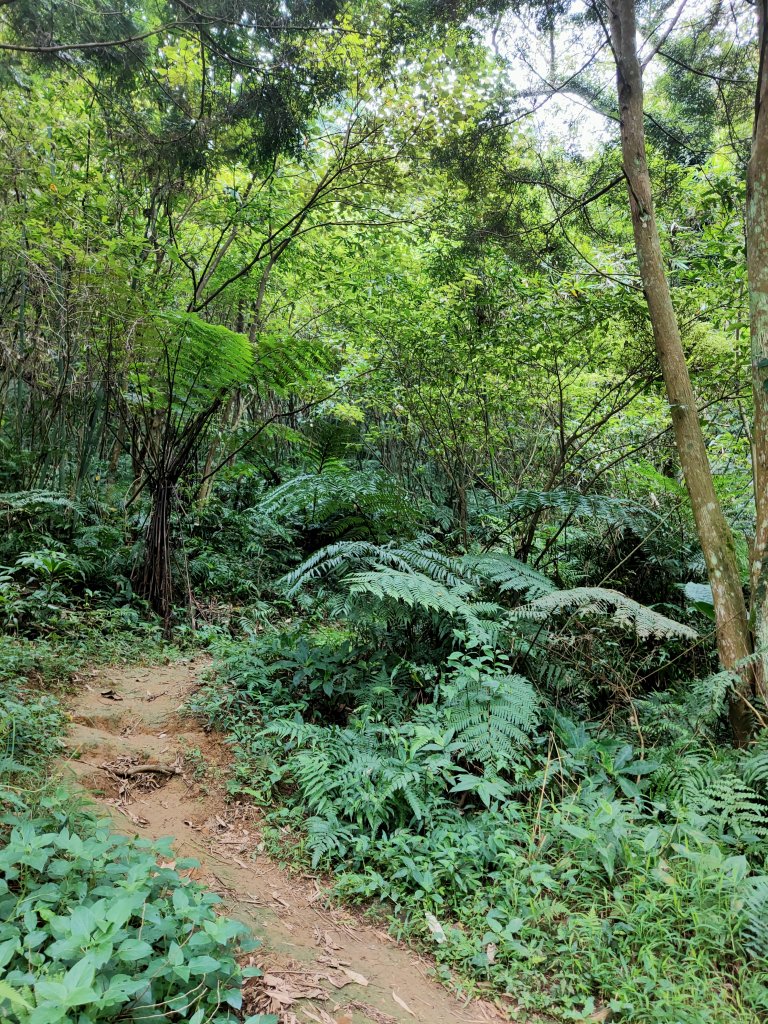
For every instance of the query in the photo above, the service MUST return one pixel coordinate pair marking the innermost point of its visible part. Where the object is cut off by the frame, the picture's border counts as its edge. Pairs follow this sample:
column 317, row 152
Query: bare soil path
column 126, row 723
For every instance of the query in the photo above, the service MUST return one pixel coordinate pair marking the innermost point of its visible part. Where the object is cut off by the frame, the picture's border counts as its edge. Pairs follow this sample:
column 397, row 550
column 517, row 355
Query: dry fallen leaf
column 435, row 927
column 402, row 1003
column 317, row 1013
column 286, row 993
column 358, row 979
column 111, row 695
column 599, row 1016
column 377, row 1016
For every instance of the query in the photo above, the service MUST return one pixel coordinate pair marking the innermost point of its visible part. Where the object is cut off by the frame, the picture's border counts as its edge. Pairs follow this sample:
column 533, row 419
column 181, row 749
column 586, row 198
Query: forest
column 395, row 375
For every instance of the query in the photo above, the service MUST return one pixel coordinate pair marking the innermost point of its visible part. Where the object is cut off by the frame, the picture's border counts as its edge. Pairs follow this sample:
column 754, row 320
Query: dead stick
column 140, row 769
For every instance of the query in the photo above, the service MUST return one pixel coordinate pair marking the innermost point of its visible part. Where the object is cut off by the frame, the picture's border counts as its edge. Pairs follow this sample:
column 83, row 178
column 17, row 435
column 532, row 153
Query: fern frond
column 493, row 713
column 326, row 838
column 714, row 790
column 412, row 588
column 509, row 574
column 38, row 503
column 755, row 926
column 180, row 356
column 565, row 502
column 341, row 556
column 604, row 603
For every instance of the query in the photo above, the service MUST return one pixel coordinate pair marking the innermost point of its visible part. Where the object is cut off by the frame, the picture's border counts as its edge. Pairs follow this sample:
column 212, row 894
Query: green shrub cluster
column 94, row 927
column 560, row 865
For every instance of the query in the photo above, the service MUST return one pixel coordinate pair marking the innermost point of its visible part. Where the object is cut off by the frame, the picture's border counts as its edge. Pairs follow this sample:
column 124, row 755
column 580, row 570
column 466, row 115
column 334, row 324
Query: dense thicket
column 329, row 338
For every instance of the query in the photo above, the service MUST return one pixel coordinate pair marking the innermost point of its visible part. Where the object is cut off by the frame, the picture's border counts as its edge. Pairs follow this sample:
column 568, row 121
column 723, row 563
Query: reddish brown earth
column 315, row 958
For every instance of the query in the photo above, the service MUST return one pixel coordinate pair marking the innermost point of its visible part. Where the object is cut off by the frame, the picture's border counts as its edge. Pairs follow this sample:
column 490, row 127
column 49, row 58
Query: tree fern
column 286, row 363
column 181, row 358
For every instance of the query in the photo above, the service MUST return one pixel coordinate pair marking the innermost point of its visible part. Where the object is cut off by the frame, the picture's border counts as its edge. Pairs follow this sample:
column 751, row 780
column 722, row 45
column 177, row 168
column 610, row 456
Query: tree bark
column 757, row 275
column 715, row 537
column 157, row 572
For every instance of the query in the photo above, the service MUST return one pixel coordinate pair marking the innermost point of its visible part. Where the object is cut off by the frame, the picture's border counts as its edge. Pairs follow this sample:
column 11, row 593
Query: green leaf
column 204, row 965
column 134, row 949
column 7, row 950
column 651, row 839
column 82, row 973
column 175, row 954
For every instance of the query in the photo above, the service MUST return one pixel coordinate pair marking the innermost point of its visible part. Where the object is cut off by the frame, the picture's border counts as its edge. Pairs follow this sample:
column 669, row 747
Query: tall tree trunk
column 757, row 273
column 715, row 537
column 157, row 573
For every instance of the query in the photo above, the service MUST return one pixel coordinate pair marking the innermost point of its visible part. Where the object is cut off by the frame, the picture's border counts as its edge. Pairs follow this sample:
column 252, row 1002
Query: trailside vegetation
column 411, row 358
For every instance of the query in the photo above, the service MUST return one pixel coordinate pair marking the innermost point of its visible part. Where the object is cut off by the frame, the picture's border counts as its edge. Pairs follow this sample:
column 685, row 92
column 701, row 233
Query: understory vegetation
column 523, row 776
column 96, row 927
column 409, row 359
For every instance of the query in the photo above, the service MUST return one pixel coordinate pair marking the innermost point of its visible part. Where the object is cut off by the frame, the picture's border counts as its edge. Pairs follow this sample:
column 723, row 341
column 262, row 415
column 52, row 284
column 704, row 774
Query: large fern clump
column 363, row 776
column 728, row 792
column 339, row 503
column 508, row 575
column 338, row 559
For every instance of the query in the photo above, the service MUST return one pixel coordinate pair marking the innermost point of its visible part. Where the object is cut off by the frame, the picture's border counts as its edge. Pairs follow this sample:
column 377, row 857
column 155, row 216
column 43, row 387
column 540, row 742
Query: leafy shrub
column 93, row 924
column 29, row 729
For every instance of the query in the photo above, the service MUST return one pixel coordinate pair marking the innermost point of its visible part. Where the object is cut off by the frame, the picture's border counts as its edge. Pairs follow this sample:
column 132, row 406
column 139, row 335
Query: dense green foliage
column 95, row 926
column 456, row 753
column 323, row 344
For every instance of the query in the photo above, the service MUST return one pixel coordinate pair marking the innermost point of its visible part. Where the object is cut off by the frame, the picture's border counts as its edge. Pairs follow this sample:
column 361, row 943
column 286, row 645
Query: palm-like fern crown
column 183, row 359
column 285, row 363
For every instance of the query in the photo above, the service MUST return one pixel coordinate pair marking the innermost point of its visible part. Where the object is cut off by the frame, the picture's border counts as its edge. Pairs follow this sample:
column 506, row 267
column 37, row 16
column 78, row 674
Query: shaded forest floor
column 159, row 774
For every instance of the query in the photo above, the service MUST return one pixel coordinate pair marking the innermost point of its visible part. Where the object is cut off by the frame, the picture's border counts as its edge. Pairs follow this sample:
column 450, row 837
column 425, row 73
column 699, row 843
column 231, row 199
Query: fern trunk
column 157, row 574
column 715, row 537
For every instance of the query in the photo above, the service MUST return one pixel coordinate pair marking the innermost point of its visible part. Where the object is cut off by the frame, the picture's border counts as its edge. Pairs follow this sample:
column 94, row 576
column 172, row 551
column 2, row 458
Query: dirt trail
column 130, row 718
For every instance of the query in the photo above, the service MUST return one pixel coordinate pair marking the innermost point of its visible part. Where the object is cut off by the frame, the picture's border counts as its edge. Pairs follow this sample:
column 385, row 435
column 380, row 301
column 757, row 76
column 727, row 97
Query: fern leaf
column 509, row 574
column 604, row 603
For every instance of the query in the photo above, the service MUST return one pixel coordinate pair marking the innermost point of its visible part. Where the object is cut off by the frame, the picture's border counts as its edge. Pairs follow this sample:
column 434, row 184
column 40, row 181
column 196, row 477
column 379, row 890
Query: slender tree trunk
column 157, row 574
column 757, row 274
column 715, row 537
